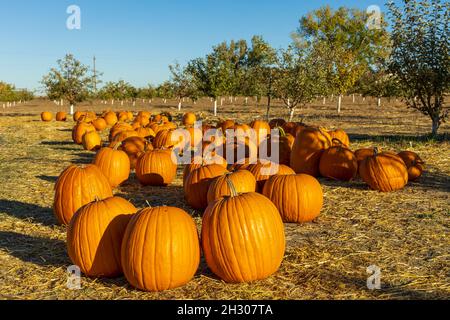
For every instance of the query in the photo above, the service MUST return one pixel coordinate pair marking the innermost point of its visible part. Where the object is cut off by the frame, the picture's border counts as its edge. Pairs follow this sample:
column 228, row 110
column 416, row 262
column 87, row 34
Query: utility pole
column 95, row 77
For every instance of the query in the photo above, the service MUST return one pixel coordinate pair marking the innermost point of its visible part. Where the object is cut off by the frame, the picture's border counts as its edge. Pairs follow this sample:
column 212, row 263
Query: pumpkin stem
column 375, row 151
column 97, row 199
column 230, row 184
column 148, row 203
column 338, row 141
column 117, row 145
column 282, row 132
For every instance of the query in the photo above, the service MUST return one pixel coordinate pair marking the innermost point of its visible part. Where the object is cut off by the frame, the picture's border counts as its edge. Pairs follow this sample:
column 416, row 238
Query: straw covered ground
column 405, row 233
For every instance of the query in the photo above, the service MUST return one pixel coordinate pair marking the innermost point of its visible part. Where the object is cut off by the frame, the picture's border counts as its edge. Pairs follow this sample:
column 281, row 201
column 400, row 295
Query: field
column 404, row 233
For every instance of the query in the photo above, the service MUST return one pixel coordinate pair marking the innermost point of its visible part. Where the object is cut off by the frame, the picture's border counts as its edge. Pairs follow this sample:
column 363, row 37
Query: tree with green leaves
column 70, row 80
column 420, row 56
column 297, row 81
column 119, row 90
column 9, row 93
column 344, row 43
column 379, row 84
column 182, row 83
column 148, row 92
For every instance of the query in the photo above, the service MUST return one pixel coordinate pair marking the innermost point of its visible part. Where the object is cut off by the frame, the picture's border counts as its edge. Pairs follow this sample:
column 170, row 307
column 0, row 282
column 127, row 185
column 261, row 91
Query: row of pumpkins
column 158, row 248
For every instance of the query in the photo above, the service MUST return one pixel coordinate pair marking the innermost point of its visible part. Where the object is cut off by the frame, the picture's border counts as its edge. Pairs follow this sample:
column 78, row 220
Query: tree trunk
column 435, row 124
column 268, row 108
column 353, row 98
column 339, row 103
column 379, row 102
column 71, row 110
column 179, row 105
column 246, row 100
column 215, row 108
column 324, row 100
column 291, row 114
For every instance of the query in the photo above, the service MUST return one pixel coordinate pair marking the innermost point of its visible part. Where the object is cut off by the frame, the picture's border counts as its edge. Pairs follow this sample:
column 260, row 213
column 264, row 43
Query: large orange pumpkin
column 94, row 236
column 156, row 167
column 243, row 181
column 114, row 164
column 338, row 163
column 384, row 171
column 299, row 198
column 414, row 164
column 307, row 150
column 77, row 186
column 197, row 184
column 160, row 249
column 363, row 153
column 169, row 139
column 243, row 237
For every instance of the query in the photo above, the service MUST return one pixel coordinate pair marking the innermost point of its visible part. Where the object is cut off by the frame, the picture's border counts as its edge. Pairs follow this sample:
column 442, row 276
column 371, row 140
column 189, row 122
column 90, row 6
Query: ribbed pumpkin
column 156, row 167
column 122, row 135
column 92, row 141
column 46, row 116
column 77, row 115
column 307, row 150
column 414, row 164
column 189, row 119
column 123, row 116
column 263, row 171
column 142, row 120
column 79, row 130
column 61, row 116
column 133, row 147
column 94, row 236
column 145, row 132
column 169, row 139
column 243, row 181
column 76, row 187
column 160, row 249
column 197, row 162
column 338, row 163
column 118, row 128
column 114, row 164
column 99, row 124
column 262, row 130
column 243, row 237
column 384, row 171
column 197, row 184
column 299, row 198
column 363, row 153
column 341, row 136
column 110, row 118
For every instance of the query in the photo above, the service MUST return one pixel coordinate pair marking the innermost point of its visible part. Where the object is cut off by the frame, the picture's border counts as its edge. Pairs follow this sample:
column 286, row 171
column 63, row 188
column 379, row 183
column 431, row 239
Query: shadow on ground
column 28, row 211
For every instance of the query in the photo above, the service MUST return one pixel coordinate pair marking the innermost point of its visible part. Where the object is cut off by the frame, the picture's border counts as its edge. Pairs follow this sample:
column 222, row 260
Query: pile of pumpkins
column 243, row 203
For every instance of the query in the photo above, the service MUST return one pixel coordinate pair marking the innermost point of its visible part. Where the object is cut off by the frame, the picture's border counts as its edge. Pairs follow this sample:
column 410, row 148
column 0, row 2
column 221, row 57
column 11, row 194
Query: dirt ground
column 404, row 233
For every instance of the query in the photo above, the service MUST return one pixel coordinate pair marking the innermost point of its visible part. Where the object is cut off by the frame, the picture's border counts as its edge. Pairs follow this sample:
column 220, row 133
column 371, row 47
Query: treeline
column 9, row 93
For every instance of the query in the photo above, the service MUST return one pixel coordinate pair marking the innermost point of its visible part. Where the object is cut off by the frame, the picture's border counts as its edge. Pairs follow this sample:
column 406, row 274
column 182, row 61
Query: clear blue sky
column 136, row 40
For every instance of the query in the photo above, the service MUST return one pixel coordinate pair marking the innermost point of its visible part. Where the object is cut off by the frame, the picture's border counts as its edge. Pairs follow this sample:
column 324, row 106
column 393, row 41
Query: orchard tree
column 378, row 83
column 182, row 83
column 344, row 43
column 70, row 80
column 148, row 92
column 9, row 93
column 421, row 57
column 298, row 78
column 165, row 90
column 120, row 90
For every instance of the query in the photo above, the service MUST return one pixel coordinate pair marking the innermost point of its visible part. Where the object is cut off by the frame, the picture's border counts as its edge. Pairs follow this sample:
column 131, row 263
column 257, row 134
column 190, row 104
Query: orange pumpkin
column 169, row 139
column 133, row 147
column 94, row 236
column 111, row 118
column 145, row 132
column 307, row 150
column 79, row 130
column 76, row 187
column 341, row 136
column 263, row 171
column 363, row 153
column 122, row 135
column 262, row 130
column 384, row 171
column 160, row 249
column 414, row 164
column 156, row 167
column 46, row 116
column 189, row 119
column 118, row 128
column 243, row 237
column 61, row 116
column 197, row 184
column 338, row 163
column 99, row 124
column 92, row 141
column 114, row 164
column 243, row 181
column 299, row 198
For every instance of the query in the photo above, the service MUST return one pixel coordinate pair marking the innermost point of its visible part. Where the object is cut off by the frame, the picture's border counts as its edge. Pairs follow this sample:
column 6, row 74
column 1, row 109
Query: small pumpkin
column 414, row 164
column 46, row 116
column 79, row 130
column 76, row 187
column 110, row 118
column 340, row 136
column 338, row 162
column 133, row 147
column 230, row 225
column 114, row 164
column 160, row 249
column 169, row 139
column 262, row 130
column 99, row 124
column 263, row 171
column 384, row 171
column 61, row 116
column 189, row 119
column 156, row 167
column 92, row 141
column 94, row 236
column 299, row 198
